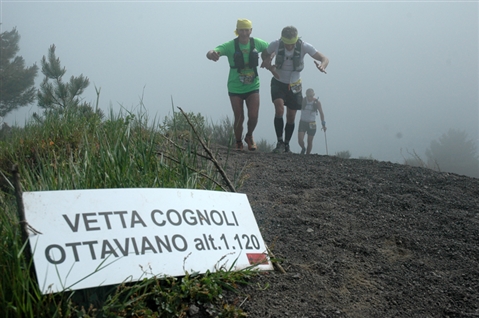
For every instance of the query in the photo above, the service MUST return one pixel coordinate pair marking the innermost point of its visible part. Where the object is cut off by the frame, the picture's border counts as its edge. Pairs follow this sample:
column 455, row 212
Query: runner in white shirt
column 307, row 124
column 286, row 90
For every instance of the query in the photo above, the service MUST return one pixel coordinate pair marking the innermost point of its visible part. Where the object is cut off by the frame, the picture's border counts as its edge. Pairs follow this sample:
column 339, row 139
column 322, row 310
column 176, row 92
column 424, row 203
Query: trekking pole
column 326, row 141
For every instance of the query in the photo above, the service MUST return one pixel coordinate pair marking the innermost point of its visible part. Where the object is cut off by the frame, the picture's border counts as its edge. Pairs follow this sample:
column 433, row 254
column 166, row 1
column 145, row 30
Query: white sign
column 100, row 237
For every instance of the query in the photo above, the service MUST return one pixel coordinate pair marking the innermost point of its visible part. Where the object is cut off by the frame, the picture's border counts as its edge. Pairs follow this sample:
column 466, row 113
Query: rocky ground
column 361, row 238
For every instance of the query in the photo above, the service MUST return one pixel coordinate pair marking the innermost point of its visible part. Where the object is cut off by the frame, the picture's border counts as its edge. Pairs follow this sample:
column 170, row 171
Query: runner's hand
column 266, row 64
column 213, row 55
column 320, row 67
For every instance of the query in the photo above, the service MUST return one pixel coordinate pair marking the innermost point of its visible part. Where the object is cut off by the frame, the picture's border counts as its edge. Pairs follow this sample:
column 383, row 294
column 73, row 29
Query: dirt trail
column 361, row 238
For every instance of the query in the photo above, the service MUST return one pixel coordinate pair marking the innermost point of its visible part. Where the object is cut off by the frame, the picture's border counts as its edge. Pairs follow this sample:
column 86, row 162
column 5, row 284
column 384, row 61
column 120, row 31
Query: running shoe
column 239, row 145
column 286, row 148
column 251, row 144
column 279, row 147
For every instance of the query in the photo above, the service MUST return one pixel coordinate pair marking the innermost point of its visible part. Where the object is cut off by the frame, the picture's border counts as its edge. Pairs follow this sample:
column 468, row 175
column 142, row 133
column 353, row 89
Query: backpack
column 315, row 104
column 239, row 59
column 298, row 64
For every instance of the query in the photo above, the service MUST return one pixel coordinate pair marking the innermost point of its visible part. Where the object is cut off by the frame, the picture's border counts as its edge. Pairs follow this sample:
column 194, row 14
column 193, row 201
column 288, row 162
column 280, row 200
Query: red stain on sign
column 257, row 258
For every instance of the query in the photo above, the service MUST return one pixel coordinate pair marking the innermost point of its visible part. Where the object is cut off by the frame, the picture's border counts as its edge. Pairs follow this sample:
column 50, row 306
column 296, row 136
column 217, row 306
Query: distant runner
column 307, row 124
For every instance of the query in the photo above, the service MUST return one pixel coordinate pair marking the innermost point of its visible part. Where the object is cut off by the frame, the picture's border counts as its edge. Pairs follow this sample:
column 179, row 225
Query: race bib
column 312, row 125
column 296, row 86
column 246, row 79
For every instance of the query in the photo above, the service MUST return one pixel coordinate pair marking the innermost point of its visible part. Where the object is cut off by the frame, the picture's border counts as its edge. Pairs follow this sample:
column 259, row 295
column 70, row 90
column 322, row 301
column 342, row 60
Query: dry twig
column 210, row 154
column 228, row 182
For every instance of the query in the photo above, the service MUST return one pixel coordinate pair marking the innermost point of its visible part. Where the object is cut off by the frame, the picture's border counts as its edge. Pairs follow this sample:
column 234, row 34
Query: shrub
column 343, row 154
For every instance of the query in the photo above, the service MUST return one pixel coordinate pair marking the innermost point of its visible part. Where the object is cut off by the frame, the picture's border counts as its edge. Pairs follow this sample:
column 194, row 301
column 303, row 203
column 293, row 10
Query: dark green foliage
column 454, row 152
column 219, row 134
column 16, row 80
column 343, row 154
column 222, row 133
column 173, row 296
column 178, row 123
column 57, row 96
column 370, row 157
column 67, row 151
column 264, row 146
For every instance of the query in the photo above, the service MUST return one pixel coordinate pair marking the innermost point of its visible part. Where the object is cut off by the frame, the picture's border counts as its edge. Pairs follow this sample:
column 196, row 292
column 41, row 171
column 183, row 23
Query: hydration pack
column 315, row 104
column 239, row 59
column 298, row 64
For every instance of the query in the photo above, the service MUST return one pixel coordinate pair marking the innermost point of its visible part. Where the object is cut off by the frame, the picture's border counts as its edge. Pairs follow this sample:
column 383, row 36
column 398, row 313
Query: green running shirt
column 245, row 81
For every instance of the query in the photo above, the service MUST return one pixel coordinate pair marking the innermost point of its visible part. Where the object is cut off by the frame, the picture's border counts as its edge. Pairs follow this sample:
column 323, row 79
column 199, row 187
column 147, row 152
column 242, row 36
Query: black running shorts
column 282, row 90
column 306, row 126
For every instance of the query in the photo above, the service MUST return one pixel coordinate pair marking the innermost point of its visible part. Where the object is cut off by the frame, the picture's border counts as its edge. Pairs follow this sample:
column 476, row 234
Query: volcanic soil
column 360, row 238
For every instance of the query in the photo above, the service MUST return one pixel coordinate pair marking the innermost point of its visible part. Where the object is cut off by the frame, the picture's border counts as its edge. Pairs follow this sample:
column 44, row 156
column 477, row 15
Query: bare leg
column 252, row 103
column 301, row 139
column 278, row 107
column 310, row 144
column 237, row 105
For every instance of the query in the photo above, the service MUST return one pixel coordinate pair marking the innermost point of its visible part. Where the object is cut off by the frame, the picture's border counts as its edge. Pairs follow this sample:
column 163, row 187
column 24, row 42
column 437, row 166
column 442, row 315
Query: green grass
column 66, row 152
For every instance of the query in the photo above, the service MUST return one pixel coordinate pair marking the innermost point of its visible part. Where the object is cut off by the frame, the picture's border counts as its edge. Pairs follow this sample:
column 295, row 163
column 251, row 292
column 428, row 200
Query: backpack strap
column 238, row 56
column 316, row 105
column 279, row 60
column 298, row 65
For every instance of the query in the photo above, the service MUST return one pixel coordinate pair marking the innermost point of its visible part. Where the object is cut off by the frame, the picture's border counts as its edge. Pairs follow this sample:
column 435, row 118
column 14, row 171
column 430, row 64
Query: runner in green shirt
column 243, row 81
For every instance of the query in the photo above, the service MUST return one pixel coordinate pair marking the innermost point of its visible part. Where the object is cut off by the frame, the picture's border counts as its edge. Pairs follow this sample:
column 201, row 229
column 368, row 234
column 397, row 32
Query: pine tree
column 56, row 96
column 16, row 81
column 453, row 152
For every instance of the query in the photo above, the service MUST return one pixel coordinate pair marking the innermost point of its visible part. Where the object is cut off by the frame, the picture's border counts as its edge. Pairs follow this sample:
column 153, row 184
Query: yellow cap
column 243, row 24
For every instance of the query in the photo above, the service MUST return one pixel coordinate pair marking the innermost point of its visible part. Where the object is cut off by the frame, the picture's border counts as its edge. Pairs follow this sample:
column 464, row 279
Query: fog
column 401, row 73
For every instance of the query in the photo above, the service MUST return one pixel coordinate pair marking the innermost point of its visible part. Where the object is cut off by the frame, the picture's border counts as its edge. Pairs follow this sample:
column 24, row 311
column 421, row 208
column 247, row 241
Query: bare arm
column 321, row 115
column 267, row 58
column 323, row 59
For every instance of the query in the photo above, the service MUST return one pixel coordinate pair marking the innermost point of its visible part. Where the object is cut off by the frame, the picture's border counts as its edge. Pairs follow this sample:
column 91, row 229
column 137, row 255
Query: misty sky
column 401, row 73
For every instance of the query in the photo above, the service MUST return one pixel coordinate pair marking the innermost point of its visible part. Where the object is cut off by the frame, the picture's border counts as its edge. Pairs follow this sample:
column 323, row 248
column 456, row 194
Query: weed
column 69, row 151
